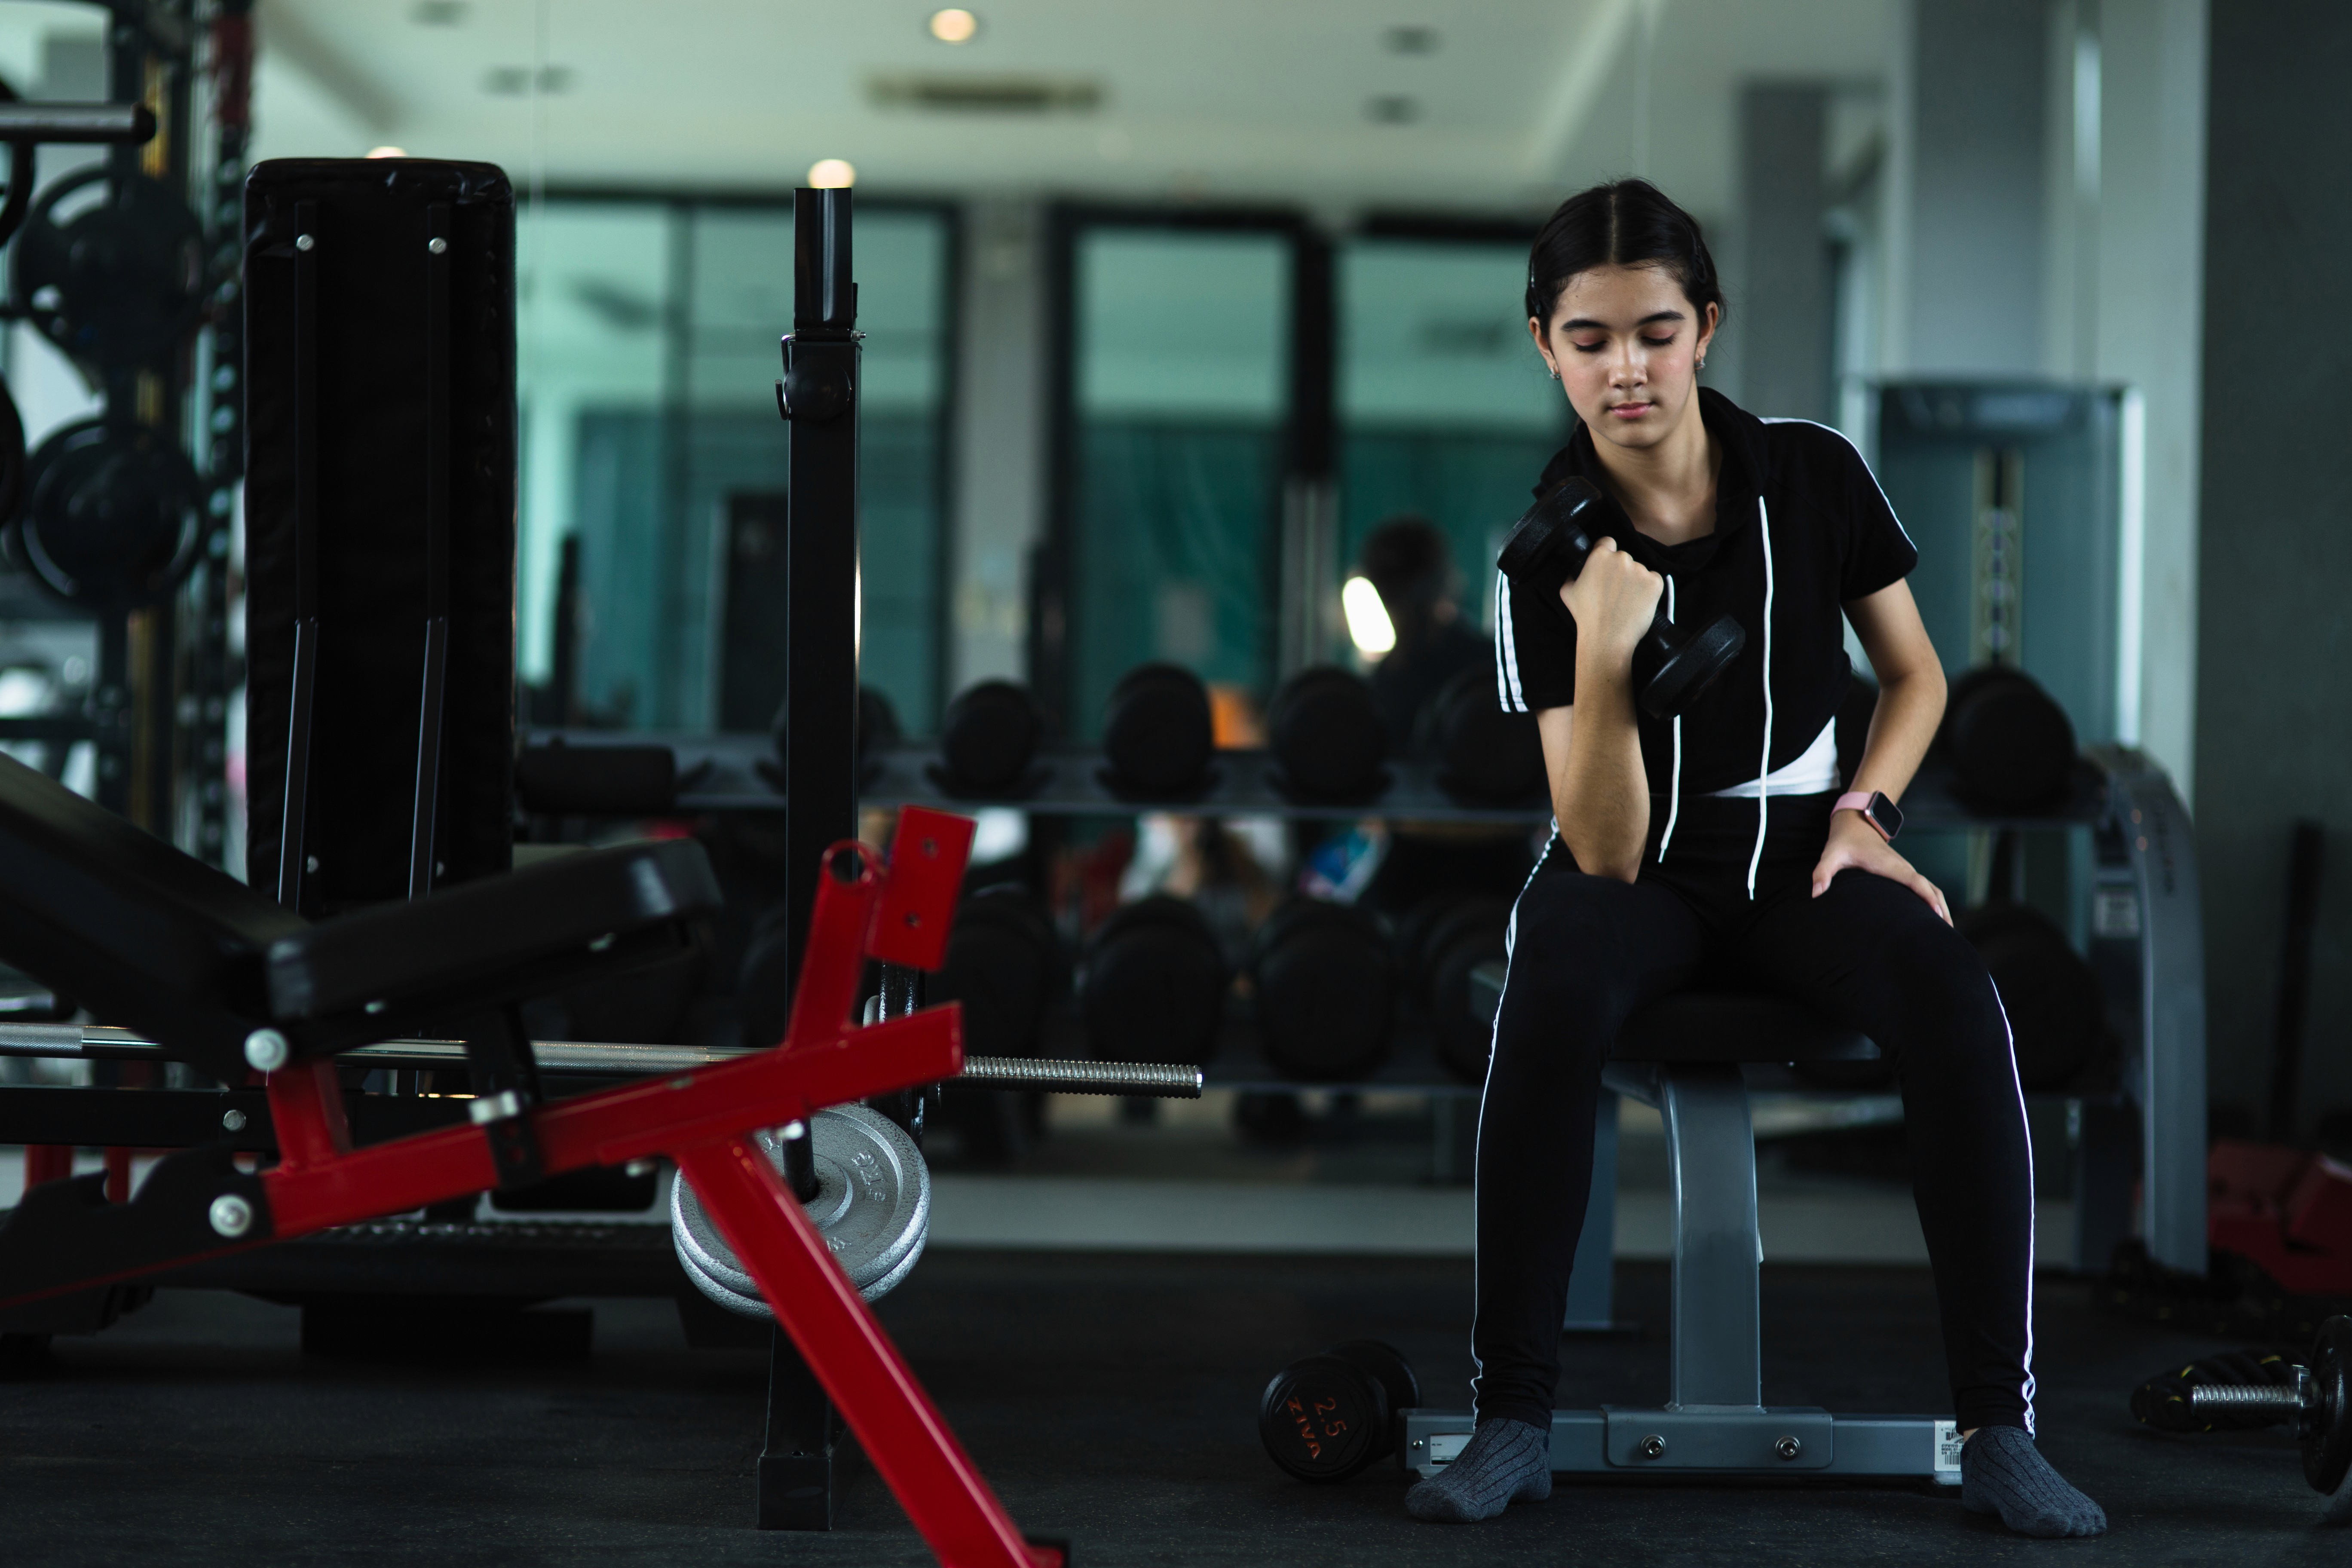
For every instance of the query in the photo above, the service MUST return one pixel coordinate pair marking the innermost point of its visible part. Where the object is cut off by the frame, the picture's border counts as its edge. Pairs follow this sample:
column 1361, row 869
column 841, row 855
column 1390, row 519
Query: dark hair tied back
column 1624, row 222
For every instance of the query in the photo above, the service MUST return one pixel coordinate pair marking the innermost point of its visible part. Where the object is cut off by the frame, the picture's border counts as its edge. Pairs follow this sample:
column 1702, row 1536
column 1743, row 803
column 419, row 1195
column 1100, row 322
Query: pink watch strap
column 1852, row 800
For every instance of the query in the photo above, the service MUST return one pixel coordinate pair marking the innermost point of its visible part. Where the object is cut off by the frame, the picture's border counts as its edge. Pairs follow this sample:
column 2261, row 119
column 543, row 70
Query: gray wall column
column 1974, row 293
column 1785, row 360
column 1000, row 440
column 2274, row 638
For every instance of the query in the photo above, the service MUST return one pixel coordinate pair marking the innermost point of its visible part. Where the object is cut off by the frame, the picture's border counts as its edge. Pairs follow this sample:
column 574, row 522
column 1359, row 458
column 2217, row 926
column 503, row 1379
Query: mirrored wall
column 655, row 466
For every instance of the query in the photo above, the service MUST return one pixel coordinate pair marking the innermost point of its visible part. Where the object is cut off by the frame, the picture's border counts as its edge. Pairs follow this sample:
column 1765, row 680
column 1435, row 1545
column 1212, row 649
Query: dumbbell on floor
column 1324, row 1417
column 1672, row 666
column 2315, row 1398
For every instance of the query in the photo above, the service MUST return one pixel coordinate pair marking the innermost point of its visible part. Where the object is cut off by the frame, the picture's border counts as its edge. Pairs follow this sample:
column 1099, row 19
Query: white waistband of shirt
column 1812, row 773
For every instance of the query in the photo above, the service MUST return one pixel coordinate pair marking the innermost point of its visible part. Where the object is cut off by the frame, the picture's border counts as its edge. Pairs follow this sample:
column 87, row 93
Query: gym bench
column 1684, row 1056
column 223, row 977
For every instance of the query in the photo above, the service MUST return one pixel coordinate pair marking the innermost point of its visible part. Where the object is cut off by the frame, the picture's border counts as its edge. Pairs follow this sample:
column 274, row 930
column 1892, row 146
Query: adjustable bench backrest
column 155, row 941
column 107, row 913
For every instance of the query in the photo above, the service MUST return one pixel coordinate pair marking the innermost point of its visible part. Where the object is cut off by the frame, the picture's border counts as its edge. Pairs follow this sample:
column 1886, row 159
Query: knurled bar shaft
column 2281, row 1398
column 1155, row 1080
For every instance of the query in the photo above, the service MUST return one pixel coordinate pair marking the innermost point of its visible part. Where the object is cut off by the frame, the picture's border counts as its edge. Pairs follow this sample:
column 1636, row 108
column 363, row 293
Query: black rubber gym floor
column 1108, row 1398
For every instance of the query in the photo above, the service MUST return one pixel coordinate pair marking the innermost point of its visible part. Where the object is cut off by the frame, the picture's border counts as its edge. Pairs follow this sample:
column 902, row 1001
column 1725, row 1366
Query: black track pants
column 1588, row 951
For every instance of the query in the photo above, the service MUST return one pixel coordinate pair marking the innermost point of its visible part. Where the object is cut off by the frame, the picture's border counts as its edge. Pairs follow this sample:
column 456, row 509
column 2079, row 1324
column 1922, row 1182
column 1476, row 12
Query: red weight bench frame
column 896, row 912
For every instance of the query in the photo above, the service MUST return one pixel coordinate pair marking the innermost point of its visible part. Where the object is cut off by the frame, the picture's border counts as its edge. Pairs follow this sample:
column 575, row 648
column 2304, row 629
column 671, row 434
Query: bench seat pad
column 486, row 937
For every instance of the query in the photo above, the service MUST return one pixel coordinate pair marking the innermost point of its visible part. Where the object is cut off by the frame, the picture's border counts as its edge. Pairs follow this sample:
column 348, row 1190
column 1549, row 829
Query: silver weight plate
column 873, row 1207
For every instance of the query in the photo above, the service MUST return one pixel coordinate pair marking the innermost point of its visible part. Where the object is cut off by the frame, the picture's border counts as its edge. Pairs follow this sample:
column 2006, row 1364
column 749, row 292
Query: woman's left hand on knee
column 1855, row 845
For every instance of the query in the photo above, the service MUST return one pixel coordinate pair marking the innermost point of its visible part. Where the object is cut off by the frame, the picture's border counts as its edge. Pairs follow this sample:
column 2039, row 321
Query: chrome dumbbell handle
column 2286, row 1401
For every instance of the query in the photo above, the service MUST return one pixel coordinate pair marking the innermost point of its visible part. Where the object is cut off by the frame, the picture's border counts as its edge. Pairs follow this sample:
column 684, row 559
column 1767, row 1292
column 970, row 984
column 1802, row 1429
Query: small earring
column 1701, row 365
column 1553, row 374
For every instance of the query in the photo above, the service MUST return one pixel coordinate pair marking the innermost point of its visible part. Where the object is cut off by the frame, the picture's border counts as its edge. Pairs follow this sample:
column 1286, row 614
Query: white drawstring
column 1764, row 773
column 1674, row 787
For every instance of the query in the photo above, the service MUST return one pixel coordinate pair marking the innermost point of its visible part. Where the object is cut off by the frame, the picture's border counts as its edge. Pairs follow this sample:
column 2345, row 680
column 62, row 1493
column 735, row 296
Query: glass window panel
column 1444, row 406
column 1182, row 386
column 595, row 295
column 650, row 362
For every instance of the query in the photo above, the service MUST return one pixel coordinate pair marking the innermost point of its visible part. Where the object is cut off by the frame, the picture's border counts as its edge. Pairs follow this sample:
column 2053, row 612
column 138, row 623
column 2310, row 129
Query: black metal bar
column 820, row 369
column 2305, row 859
column 291, row 852
column 86, row 124
column 799, row 1478
column 505, row 1080
column 426, row 811
column 800, row 1162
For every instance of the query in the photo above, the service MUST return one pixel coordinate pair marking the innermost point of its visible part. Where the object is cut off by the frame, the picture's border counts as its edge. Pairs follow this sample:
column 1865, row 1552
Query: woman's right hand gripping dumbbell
column 1614, row 599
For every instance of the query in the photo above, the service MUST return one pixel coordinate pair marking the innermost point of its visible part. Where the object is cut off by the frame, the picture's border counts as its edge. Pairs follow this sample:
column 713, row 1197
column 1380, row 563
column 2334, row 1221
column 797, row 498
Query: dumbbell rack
column 2147, row 941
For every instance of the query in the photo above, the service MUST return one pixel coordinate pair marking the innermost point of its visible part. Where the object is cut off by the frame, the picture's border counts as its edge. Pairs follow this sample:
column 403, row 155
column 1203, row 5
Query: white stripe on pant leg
column 1510, row 952
column 2009, row 1037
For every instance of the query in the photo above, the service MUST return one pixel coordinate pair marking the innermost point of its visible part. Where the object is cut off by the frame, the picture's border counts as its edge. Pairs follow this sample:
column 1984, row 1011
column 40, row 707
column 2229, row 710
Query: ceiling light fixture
column 954, row 26
column 1368, row 619
column 832, row 174
column 387, row 152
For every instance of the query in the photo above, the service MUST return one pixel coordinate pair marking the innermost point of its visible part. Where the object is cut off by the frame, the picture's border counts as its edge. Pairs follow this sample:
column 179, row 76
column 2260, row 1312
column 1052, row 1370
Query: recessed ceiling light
column 832, row 174
column 1393, row 108
column 387, row 152
column 1411, row 40
column 954, row 26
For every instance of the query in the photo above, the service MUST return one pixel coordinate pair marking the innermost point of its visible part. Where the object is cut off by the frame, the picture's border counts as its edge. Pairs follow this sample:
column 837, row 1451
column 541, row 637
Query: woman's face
column 1625, row 343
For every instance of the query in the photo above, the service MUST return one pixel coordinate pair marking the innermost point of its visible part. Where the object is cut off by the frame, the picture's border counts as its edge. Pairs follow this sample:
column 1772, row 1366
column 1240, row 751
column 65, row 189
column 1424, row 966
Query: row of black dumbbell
column 2009, row 746
column 1324, row 730
column 1153, row 984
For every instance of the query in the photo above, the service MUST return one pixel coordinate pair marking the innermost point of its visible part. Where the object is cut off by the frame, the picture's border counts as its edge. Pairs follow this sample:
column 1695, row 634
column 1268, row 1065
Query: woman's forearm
column 1601, row 794
column 1902, row 728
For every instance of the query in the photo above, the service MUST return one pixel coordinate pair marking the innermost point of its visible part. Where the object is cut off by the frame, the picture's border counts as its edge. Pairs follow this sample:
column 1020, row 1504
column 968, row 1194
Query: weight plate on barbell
column 110, row 514
column 873, row 1207
column 119, row 283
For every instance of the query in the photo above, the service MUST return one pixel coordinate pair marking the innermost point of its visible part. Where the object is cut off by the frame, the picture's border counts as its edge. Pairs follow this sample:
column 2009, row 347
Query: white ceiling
column 1206, row 100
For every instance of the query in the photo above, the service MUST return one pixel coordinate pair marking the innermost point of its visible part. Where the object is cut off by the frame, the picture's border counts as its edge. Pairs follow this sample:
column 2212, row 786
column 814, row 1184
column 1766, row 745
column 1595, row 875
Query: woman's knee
column 1939, row 993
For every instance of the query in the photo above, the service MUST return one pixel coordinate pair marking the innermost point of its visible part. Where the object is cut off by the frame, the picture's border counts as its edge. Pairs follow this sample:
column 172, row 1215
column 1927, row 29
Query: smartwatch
column 1883, row 815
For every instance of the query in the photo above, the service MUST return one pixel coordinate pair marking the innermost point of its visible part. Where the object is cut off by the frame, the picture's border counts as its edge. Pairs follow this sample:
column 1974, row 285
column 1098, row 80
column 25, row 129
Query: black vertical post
column 2305, row 855
column 425, row 809
column 819, row 397
column 798, row 1462
column 1303, row 547
column 292, row 851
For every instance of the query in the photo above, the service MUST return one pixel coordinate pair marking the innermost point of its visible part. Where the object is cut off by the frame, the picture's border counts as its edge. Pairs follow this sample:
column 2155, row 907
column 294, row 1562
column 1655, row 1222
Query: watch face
column 1884, row 815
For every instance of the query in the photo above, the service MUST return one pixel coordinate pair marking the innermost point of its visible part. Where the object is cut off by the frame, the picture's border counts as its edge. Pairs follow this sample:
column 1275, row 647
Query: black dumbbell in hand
column 1672, row 666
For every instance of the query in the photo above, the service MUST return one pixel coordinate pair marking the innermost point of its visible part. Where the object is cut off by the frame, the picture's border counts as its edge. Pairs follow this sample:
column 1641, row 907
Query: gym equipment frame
column 65, row 1237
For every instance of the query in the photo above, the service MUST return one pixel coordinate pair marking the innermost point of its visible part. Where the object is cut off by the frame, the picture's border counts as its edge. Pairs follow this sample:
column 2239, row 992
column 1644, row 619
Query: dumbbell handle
column 2285, row 1400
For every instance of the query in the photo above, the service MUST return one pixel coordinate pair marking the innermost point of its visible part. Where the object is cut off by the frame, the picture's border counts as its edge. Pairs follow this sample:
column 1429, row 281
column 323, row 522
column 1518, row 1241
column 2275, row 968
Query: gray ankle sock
column 2001, row 1472
column 1505, row 1461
